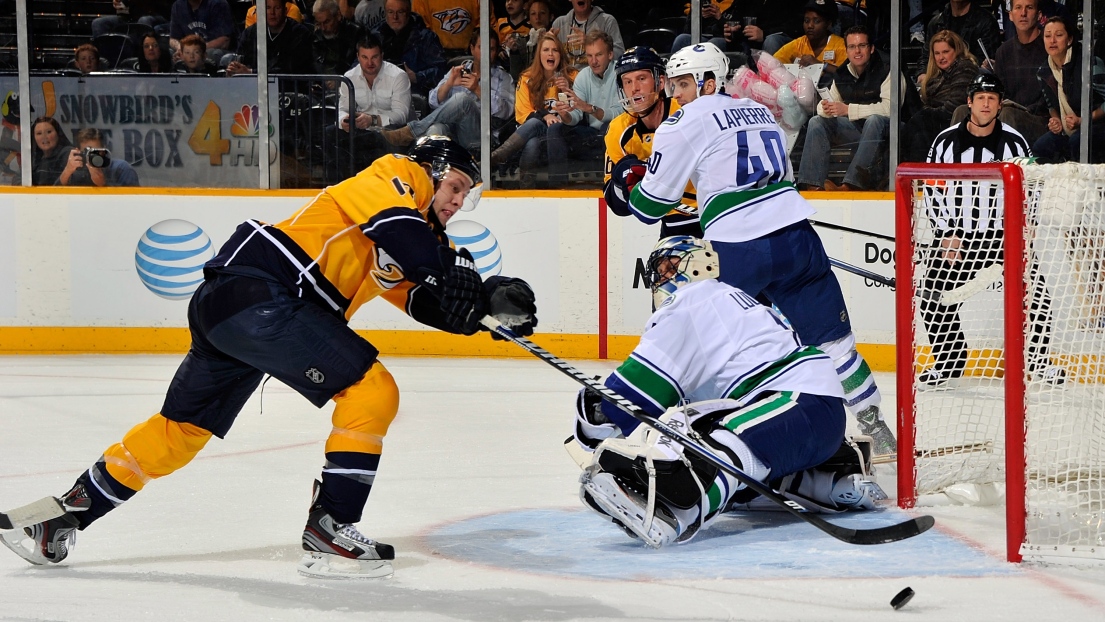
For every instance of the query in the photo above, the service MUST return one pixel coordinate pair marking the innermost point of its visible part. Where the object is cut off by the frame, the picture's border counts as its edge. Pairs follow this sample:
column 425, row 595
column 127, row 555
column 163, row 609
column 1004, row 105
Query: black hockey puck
column 902, row 598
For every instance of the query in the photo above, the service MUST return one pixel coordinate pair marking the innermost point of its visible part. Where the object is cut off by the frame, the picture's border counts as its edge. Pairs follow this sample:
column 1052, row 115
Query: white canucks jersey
column 711, row 340
column 735, row 154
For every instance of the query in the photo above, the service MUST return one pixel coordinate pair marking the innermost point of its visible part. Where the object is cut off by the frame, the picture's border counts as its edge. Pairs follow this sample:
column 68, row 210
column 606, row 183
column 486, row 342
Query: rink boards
column 69, row 280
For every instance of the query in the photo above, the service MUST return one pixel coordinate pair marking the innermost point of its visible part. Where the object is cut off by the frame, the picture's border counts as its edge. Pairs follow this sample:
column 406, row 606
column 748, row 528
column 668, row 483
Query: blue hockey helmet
column 636, row 59
column 678, row 261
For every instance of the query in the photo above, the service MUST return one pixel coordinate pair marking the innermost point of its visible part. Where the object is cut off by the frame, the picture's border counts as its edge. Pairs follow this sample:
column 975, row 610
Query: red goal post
column 1003, row 419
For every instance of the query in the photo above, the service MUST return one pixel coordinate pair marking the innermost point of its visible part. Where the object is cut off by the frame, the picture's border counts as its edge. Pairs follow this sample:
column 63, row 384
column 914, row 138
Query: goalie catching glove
column 512, row 303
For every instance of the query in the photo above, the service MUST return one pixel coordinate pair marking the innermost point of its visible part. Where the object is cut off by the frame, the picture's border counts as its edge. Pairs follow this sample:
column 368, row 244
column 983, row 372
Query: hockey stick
column 983, row 278
column 32, row 513
column 827, row 225
column 879, row 535
column 867, row 274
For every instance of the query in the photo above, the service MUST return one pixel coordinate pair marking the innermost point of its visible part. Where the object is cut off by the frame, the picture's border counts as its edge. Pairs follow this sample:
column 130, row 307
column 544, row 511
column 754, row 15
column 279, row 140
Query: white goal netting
column 959, row 351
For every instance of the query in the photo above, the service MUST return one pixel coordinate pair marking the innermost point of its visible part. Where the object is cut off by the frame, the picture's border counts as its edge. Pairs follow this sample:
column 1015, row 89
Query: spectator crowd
column 413, row 68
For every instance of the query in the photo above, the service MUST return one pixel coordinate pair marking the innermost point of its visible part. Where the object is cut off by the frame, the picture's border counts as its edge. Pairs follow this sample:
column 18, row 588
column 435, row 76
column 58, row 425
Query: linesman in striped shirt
column 968, row 223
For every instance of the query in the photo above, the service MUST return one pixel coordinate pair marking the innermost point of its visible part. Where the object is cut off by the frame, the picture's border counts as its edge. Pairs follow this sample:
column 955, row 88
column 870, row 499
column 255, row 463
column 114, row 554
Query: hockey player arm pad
column 627, row 173
column 513, row 303
column 406, row 237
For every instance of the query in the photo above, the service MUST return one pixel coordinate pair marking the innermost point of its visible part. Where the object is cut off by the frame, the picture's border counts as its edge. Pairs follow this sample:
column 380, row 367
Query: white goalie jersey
column 710, row 340
column 735, row 154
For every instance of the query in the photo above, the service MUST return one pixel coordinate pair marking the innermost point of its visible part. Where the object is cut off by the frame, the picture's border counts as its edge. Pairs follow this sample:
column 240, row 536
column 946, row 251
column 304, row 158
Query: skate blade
column 329, row 566
column 618, row 504
column 14, row 540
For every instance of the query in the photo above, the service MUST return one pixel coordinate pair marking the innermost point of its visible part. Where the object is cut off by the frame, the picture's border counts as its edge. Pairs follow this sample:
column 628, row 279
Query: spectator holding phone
column 91, row 164
column 456, row 103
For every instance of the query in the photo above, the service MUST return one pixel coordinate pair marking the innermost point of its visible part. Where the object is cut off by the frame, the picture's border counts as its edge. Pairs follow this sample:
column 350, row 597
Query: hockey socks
column 98, row 491
column 346, row 481
column 855, row 376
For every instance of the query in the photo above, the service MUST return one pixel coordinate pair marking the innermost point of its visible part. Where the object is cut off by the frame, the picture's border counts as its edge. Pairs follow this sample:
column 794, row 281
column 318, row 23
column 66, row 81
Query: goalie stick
column 983, row 278
column 878, row 535
column 32, row 513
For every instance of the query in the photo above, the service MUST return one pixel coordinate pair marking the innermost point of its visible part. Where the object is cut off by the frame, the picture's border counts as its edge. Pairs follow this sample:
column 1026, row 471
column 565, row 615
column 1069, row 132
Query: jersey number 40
column 761, row 158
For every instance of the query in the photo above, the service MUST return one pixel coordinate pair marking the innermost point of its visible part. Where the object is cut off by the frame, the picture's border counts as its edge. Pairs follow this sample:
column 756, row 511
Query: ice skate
column 50, row 541
column 885, row 446
column 44, row 543
column 339, row 551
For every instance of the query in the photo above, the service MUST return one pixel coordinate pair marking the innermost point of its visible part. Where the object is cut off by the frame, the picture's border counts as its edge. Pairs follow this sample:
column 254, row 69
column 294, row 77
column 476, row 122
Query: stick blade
column 32, row 513
column 883, row 535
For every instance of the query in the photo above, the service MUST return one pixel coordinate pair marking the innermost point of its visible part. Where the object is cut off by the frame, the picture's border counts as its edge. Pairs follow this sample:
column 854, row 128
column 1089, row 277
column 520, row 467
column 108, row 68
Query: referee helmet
column 986, row 82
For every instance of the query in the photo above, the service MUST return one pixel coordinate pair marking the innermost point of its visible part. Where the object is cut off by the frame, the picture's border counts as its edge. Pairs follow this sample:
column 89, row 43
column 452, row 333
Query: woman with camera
column 90, row 164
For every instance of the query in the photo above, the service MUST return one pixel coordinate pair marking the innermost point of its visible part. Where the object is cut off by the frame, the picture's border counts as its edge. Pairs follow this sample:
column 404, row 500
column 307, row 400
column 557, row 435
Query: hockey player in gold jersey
column 276, row 300
column 640, row 75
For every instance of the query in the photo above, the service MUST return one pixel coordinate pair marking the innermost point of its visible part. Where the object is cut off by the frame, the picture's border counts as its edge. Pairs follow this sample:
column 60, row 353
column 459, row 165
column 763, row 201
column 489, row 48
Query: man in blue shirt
column 210, row 19
column 82, row 171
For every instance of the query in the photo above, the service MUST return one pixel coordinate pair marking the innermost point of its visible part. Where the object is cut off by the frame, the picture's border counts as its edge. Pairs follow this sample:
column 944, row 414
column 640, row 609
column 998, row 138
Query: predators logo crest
column 454, row 20
column 386, row 272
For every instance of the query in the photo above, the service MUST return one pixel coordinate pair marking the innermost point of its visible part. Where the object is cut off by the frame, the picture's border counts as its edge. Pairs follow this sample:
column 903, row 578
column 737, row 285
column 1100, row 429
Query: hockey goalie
column 715, row 363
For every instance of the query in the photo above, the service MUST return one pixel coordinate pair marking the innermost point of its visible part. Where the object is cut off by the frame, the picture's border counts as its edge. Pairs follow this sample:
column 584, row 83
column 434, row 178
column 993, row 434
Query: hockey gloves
column 627, row 173
column 463, row 300
column 513, row 304
column 592, row 426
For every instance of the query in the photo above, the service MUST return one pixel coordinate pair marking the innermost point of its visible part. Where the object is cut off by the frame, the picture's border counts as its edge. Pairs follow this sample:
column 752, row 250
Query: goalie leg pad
column 605, row 494
column 841, row 483
column 653, row 490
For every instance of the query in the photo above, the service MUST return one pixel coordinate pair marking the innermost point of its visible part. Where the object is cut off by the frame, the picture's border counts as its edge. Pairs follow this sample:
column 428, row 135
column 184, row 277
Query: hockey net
column 1021, row 407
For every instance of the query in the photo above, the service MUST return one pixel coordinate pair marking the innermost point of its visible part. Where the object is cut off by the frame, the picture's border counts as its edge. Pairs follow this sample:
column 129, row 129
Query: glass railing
column 533, row 126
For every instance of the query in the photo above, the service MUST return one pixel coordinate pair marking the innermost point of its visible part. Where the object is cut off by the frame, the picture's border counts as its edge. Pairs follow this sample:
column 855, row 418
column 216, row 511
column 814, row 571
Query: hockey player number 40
column 753, row 149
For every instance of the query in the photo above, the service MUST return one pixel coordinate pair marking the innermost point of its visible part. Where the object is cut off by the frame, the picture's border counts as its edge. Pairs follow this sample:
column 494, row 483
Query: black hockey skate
column 49, row 542
column 339, row 551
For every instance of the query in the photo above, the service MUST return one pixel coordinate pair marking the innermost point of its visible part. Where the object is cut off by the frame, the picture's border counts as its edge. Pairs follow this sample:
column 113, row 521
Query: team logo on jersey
column 674, row 118
column 314, row 375
column 454, row 20
column 386, row 272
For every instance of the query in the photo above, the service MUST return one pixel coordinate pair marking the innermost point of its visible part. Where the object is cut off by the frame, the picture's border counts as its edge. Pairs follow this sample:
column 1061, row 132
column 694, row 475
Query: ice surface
column 479, row 499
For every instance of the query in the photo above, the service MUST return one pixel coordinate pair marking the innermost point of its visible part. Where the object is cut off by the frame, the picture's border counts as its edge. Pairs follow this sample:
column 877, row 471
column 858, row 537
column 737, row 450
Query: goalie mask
column 697, row 61
column 678, row 261
column 441, row 154
column 637, row 59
